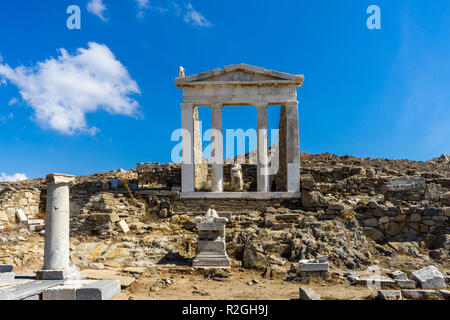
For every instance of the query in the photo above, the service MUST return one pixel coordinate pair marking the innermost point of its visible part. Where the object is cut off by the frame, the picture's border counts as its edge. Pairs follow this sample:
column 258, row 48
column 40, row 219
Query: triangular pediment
column 241, row 73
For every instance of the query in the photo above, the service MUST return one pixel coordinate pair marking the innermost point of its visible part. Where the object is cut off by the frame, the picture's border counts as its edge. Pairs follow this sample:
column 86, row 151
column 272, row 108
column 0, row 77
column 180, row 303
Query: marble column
column 57, row 230
column 216, row 148
column 262, row 149
column 292, row 147
column 187, row 145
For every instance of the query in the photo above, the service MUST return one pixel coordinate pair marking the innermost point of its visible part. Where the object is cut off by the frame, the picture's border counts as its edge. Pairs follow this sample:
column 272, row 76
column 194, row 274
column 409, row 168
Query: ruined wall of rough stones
column 395, row 213
column 20, row 196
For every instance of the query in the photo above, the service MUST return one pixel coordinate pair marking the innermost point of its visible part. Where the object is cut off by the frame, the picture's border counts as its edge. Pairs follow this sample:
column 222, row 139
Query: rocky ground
column 343, row 215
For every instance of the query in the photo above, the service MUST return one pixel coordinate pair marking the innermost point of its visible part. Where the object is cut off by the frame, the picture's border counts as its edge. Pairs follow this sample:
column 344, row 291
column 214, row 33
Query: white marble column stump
column 187, row 163
column 292, row 147
column 57, row 230
column 262, row 149
column 216, row 148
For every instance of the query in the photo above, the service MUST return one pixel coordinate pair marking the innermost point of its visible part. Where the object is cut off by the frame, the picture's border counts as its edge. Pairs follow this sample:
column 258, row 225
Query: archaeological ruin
column 240, row 85
column 334, row 227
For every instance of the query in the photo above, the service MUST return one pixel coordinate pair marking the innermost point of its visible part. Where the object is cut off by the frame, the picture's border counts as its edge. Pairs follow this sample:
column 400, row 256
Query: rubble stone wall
column 16, row 196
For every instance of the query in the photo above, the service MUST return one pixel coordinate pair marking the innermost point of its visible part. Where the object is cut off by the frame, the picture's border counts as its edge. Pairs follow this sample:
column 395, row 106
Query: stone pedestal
column 211, row 241
column 56, row 246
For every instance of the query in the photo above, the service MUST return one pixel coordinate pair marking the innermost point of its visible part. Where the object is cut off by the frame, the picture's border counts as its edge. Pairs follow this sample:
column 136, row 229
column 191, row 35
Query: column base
column 211, row 259
column 70, row 273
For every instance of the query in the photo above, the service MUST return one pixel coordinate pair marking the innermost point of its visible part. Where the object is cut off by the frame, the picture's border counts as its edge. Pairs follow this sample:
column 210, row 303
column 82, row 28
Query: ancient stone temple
column 240, row 85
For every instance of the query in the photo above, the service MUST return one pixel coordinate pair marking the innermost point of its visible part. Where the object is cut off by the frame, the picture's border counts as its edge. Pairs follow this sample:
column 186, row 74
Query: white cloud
column 142, row 3
column 98, row 8
column 187, row 12
column 193, row 17
column 62, row 90
column 14, row 178
column 13, row 101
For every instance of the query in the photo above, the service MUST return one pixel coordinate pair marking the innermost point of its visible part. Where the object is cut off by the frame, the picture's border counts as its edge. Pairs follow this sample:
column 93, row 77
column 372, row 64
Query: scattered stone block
column 3, row 216
column 398, row 275
column 314, row 266
column 21, row 216
column 308, row 294
column 123, row 226
column 429, row 278
column 103, row 217
column 35, row 224
column 389, row 295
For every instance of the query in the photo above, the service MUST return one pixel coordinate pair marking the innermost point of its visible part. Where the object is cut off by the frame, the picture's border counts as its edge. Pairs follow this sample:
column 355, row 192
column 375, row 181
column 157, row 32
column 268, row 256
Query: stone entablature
column 240, row 84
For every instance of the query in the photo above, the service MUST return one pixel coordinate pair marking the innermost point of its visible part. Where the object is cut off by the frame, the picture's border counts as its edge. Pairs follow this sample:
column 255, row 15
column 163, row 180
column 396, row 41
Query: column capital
column 291, row 104
column 216, row 105
column 58, row 178
column 186, row 105
column 261, row 105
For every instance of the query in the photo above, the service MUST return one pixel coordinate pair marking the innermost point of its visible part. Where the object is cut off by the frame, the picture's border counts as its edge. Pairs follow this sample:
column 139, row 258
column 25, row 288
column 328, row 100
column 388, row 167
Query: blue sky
column 108, row 100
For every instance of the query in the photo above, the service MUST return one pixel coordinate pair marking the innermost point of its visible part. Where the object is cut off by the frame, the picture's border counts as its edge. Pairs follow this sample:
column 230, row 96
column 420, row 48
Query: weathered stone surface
column 429, row 278
column 373, row 233
column 6, row 278
column 123, row 226
column 27, row 289
column 125, row 281
column 406, row 284
column 103, row 217
column 308, row 294
column 420, row 294
column 389, row 295
column 83, row 290
column 21, row 216
column 314, row 266
column 313, row 199
column 445, row 198
column 372, row 222
column 398, row 275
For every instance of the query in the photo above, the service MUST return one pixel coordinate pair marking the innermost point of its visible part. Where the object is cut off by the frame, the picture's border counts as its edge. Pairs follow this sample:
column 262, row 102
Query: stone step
column 83, row 290
column 27, row 290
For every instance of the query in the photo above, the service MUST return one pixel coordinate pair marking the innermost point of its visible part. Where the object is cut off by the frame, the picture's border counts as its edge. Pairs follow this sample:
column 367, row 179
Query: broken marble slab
column 27, row 290
column 7, row 278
